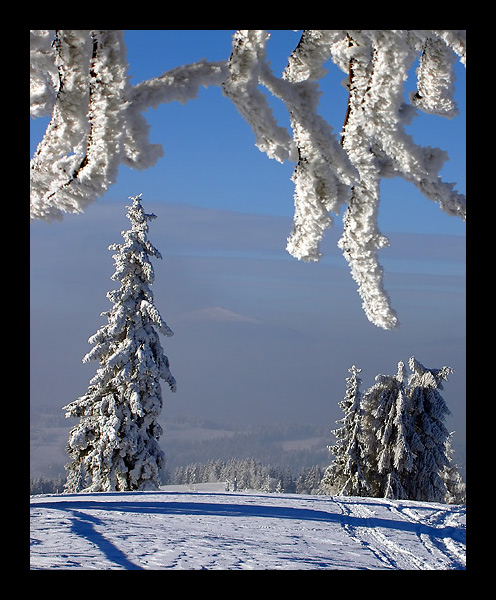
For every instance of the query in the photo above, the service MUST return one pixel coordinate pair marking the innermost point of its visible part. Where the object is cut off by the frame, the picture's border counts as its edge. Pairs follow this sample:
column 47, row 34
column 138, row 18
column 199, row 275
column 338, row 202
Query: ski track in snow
column 194, row 530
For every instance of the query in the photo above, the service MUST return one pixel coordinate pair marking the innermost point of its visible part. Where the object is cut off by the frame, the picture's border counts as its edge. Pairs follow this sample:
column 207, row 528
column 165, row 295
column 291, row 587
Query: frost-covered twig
column 43, row 73
column 324, row 173
column 378, row 146
column 97, row 124
column 96, row 121
column 241, row 86
column 180, row 84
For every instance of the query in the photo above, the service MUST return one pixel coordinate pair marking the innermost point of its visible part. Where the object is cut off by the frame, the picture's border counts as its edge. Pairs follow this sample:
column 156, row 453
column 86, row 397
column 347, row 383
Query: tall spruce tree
column 115, row 445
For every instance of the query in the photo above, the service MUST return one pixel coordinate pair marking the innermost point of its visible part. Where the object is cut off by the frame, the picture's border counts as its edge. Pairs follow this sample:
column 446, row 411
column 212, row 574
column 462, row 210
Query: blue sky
column 209, row 154
column 258, row 335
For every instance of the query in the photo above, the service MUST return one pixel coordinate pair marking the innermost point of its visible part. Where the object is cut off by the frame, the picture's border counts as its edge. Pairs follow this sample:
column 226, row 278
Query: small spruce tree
column 346, row 475
column 396, row 439
column 115, row 445
column 429, row 411
column 456, row 488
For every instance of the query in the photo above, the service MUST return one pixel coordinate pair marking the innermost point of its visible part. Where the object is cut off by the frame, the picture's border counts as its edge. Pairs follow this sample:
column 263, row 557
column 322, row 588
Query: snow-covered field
column 206, row 528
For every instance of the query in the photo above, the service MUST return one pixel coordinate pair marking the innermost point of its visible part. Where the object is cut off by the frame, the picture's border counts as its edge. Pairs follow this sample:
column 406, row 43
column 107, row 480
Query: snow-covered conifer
column 115, row 445
column 429, row 411
column 393, row 442
column 456, row 488
column 396, row 439
column 347, row 473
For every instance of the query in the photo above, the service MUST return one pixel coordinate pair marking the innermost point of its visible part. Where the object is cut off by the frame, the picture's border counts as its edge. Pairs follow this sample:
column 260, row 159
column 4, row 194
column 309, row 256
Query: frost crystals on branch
column 374, row 139
column 97, row 124
column 115, row 445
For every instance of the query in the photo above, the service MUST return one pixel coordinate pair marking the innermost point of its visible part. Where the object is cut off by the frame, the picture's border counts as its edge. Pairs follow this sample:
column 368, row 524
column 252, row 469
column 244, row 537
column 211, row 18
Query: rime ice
column 97, row 124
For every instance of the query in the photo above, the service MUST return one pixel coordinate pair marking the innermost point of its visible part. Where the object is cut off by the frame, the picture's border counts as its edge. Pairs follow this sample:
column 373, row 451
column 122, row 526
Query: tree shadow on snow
column 83, row 526
column 220, row 509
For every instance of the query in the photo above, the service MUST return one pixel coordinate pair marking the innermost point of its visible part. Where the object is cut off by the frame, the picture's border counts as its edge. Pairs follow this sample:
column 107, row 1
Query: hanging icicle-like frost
column 97, row 124
column 372, row 95
column 323, row 173
column 435, row 80
column 241, row 86
column 375, row 140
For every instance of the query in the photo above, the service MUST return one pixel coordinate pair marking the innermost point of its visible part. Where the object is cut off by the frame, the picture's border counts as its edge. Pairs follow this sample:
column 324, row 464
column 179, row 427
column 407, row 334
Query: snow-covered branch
column 96, row 119
column 241, row 86
column 97, row 124
column 78, row 157
column 331, row 173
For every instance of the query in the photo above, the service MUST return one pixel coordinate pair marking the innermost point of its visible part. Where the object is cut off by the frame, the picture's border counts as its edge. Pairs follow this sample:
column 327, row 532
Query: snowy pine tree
column 429, row 411
column 396, row 439
column 115, row 445
column 346, row 475
column 393, row 442
column 456, row 488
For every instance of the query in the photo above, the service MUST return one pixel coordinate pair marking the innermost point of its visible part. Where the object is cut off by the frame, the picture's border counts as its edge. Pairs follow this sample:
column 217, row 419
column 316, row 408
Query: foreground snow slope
column 206, row 529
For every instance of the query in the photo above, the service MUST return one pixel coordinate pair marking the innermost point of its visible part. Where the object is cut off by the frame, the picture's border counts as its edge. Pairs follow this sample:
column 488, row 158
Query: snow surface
column 206, row 528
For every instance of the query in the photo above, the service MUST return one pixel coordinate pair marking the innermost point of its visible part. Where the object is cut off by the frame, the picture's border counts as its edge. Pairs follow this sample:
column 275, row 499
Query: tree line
column 250, row 474
column 236, row 474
